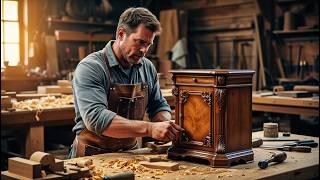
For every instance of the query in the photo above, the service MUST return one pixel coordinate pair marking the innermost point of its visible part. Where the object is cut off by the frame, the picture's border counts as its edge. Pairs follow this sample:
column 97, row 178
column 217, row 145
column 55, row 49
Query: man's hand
column 165, row 131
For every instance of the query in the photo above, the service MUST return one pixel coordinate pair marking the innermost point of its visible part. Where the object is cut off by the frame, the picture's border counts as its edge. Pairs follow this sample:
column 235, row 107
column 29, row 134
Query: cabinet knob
column 195, row 80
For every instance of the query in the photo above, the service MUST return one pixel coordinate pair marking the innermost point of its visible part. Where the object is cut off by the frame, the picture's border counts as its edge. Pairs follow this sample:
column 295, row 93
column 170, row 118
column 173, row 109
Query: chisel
column 288, row 148
column 309, row 143
column 120, row 176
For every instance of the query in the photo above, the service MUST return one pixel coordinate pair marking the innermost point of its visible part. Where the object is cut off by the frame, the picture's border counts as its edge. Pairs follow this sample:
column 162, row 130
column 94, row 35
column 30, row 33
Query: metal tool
column 277, row 158
column 120, row 176
column 288, row 148
column 256, row 142
column 279, row 139
column 309, row 143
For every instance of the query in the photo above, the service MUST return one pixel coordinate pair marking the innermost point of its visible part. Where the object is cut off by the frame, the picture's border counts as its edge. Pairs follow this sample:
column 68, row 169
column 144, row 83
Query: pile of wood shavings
column 133, row 165
column 43, row 103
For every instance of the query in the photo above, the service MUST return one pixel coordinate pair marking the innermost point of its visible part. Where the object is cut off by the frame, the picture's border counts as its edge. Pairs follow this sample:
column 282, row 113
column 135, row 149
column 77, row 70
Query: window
column 10, row 32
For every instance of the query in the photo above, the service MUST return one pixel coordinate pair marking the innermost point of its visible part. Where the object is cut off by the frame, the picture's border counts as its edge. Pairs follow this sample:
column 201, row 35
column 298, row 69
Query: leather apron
column 127, row 100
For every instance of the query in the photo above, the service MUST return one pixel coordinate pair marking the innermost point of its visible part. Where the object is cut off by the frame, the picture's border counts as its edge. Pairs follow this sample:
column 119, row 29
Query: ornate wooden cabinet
column 214, row 108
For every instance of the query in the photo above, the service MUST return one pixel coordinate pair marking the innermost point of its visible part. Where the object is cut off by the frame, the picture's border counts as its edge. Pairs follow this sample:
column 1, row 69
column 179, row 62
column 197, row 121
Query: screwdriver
column 277, row 157
column 120, row 176
column 309, row 143
column 289, row 148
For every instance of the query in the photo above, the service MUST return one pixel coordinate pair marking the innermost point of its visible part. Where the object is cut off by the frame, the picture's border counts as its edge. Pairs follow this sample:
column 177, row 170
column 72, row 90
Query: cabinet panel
column 196, row 117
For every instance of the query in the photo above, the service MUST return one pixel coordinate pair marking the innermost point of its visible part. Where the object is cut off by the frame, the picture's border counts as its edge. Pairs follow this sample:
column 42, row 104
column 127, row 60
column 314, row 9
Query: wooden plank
column 55, row 89
column 286, row 101
column 286, row 109
column 259, row 41
column 34, row 140
column 81, row 36
column 172, row 166
column 51, row 56
column 64, row 83
column 24, row 167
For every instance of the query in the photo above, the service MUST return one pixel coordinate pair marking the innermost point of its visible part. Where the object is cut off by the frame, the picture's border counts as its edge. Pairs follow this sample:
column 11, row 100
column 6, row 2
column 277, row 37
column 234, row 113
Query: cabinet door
column 196, row 117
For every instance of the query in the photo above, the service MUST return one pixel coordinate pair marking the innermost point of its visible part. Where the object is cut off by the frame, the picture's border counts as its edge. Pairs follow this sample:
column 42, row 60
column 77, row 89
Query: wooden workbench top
column 297, row 165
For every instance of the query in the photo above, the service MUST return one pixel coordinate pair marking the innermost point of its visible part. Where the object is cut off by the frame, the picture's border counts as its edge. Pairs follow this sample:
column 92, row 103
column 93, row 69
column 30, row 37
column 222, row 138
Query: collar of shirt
column 112, row 58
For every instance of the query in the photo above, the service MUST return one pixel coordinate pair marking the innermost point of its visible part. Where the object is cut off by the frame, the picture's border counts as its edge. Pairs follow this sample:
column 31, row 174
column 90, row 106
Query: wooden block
column 69, row 174
column 24, row 167
column 82, row 172
column 295, row 94
column 45, row 159
column 159, row 148
column 64, row 83
column 154, row 158
column 6, row 102
column 59, row 165
column 54, row 89
column 172, row 166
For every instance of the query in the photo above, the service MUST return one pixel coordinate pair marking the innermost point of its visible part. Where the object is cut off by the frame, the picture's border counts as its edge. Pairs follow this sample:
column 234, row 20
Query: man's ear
column 121, row 33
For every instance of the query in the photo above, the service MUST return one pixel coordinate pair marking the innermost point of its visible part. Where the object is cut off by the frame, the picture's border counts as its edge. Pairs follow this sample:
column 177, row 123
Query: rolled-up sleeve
column 90, row 94
column 156, row 102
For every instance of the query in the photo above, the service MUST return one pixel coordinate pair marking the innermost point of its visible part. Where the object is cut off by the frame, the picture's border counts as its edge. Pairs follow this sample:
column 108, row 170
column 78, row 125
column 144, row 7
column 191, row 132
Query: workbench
column 35, row 128
column 276, row 104
column 287, row 105
column 297, row 165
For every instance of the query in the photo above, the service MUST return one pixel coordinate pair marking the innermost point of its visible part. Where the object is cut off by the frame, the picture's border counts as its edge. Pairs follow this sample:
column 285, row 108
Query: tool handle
column 309, row 143
column 297, row 148
column 120, row 176
column 278, row 157
column 256, row 142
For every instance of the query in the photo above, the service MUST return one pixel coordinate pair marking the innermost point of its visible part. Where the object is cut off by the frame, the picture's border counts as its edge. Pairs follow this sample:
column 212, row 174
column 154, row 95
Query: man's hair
column 133, row 17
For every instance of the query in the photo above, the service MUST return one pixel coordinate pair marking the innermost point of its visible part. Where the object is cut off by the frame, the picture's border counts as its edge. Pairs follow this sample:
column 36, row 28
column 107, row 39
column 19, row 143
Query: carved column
column 220, row 99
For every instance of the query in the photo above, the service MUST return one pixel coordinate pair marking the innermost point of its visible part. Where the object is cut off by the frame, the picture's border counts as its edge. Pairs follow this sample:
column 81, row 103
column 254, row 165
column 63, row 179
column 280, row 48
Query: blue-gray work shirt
column 91, row 85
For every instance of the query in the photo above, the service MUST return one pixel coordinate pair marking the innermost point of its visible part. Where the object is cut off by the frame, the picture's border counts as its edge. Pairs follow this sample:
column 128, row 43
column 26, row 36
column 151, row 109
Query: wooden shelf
column 75, row 22
column 309, row 34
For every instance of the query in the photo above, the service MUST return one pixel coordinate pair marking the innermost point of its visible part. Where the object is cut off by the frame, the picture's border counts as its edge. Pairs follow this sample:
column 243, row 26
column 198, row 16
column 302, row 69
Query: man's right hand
column 165, row 131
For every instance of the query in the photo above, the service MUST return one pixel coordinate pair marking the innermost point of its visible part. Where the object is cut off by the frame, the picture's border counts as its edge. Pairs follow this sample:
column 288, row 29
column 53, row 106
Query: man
column 113, row 88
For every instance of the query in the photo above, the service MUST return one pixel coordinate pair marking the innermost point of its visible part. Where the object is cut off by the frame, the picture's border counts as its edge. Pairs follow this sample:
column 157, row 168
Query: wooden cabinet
column 214, row 108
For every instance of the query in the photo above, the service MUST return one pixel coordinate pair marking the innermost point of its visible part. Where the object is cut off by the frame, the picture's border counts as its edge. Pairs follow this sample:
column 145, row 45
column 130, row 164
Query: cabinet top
column 212, row 71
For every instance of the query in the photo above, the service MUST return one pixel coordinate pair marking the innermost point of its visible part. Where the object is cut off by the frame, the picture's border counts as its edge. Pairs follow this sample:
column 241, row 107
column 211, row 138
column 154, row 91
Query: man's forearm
column 162, row 116
column 123, row 128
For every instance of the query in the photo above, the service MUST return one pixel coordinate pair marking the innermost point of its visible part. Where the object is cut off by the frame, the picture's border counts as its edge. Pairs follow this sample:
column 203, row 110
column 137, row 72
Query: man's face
column 134, row 46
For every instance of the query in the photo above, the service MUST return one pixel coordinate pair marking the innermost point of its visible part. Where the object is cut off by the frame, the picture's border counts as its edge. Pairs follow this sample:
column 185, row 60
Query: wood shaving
column 43, row 103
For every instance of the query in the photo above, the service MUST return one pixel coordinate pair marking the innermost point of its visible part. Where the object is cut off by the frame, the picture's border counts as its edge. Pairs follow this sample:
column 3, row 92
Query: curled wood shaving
column 43, row 103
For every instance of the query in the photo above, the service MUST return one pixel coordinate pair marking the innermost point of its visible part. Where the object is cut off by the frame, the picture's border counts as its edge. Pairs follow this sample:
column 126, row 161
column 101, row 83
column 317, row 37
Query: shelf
column 309, row 34
column 75, row 22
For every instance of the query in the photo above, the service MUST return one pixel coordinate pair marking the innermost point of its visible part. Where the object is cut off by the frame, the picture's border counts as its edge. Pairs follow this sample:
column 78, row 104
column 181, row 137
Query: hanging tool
column 256, row 142
column 120, row 176
column 243, row 64
column 277, row 158
column 290, row 58
column 298, row 58
column 233, row 61
column 289, row 148
column 309, row 143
